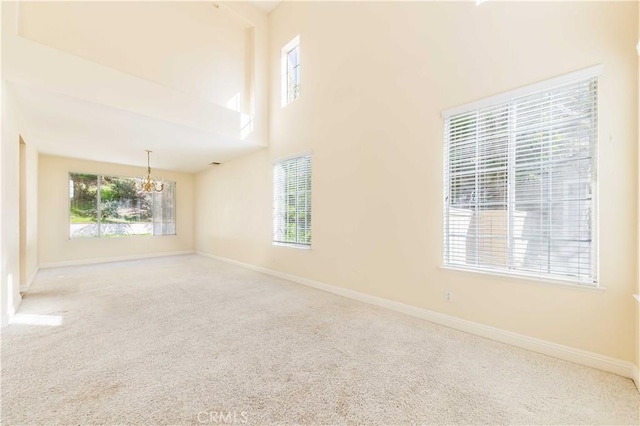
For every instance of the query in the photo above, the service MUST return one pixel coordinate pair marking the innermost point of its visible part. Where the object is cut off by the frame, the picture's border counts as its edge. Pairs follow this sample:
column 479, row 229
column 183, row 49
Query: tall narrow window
column 109, row 206
column 520, row 181
column 291, row 71
column 292, row 201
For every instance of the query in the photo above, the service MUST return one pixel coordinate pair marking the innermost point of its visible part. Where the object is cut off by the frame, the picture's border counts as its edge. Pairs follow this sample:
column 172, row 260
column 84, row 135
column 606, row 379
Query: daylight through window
column 291, row 71
column 292, row 201
column 520, row 182
column 110, row 206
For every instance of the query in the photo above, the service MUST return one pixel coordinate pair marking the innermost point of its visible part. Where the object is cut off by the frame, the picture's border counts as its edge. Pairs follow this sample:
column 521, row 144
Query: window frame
column 99, row 208
column 593, row 283
column 284, row 71
column 295, row 245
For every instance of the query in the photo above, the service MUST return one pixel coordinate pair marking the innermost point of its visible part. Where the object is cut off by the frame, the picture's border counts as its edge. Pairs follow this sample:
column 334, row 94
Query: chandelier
column 147, row 184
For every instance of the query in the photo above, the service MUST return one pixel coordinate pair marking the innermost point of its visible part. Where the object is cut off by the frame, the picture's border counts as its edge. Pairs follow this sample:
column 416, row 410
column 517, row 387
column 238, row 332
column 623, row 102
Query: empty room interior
column 320, row 212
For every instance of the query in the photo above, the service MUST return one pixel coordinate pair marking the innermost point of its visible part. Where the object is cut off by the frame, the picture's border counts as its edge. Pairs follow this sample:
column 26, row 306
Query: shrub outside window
column 112, row 206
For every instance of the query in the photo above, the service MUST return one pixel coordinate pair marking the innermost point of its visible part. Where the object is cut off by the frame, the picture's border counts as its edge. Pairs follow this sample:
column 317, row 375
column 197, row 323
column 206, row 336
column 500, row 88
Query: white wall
column 194, row 47
column 28, row 214
column 375, row 78
column 637, row 380
column 52, row 77
column 55, row 246
column 9, row 203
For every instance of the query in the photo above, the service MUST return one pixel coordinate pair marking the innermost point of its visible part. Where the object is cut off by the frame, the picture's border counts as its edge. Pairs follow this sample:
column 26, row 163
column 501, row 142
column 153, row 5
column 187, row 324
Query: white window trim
column 292, row 156
column 526, row 90
column 506, row 97
column 291, row 245
column 284, row 86
column 281, row 243
column 100, row 236
column 529, row 279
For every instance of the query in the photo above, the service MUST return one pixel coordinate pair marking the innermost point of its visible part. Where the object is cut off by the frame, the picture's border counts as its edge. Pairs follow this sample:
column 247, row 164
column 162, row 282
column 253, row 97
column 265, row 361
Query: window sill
column 549, row 282
column 119, row 237
column 292, row 245
column 284, row 105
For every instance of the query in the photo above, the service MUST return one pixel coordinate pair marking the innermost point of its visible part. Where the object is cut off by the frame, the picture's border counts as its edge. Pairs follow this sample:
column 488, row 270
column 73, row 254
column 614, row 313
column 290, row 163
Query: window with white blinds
column 292, row 201
column 520, row 181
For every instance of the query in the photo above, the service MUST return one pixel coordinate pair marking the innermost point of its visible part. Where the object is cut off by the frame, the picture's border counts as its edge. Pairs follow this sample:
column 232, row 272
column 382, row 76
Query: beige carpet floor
column 188, row 340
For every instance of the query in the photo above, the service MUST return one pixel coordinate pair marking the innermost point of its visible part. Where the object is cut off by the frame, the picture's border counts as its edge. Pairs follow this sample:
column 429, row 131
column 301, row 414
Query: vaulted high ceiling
column 88, row 83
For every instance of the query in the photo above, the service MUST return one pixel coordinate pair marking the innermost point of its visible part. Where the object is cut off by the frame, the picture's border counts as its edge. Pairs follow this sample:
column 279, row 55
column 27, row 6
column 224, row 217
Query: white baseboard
column 567, row 353
column 636, row 376
column 15, row 308
column 5, row 320
column 112, row 259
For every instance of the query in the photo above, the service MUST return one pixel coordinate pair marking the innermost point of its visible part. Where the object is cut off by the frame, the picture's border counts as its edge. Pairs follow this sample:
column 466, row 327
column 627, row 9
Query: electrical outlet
column 448, row 296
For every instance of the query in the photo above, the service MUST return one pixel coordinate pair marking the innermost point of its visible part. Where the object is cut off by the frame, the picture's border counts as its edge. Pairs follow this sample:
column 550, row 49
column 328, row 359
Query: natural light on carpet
column 36, row 319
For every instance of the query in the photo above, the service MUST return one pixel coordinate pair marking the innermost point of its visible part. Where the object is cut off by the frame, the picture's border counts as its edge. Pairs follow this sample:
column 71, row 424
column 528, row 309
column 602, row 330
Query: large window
column 292, row 201
column 290, row 69
column 520, row 181
column 109, row 206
